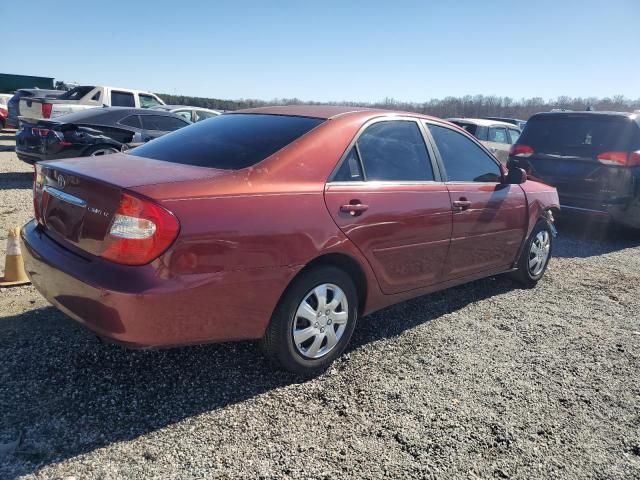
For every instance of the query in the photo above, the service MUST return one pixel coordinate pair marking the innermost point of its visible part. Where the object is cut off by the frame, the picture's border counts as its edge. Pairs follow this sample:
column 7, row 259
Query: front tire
column 313, row 322
column 535, row 255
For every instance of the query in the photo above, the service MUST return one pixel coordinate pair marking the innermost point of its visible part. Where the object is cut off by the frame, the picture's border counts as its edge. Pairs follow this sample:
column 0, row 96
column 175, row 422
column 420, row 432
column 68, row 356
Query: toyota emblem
column 61, row 181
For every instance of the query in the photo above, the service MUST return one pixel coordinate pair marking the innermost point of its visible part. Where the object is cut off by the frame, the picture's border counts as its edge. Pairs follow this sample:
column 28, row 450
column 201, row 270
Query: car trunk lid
column 76, row 199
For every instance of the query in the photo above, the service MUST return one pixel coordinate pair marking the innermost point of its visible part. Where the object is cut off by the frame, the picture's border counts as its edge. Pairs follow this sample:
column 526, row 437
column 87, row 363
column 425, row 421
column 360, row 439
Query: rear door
column 387, row 197
column 565, row 150
column 489, row 217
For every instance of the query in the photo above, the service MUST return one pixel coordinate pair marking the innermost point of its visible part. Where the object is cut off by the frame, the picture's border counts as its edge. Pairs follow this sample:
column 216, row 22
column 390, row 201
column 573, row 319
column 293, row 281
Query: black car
column 13, row 105
column 91, row 132
column 592, row 158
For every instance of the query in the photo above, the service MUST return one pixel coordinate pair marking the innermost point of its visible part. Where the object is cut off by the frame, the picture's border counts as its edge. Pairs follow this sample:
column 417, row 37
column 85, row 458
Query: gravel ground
column 480, row 381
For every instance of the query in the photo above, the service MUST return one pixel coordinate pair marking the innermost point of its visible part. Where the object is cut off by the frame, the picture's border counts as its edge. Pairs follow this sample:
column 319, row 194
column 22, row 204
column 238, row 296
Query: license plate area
column 63, row 213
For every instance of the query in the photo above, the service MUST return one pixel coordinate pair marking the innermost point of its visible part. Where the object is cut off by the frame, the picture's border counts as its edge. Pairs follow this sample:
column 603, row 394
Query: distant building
column 10, row 82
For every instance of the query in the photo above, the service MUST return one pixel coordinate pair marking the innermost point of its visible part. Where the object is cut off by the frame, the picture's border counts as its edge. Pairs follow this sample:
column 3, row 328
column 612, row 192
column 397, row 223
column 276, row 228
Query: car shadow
column 586, row 237
column 7, row 136
column 64, row 393
column 16, row 180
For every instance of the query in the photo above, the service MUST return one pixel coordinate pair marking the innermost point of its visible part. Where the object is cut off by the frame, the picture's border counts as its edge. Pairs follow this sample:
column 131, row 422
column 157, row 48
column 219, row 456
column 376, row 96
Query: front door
column 387, row 200
column 489, row 217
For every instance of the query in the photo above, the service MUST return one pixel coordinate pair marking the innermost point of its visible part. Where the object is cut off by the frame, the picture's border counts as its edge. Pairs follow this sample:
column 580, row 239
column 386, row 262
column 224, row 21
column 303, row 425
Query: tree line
column 466, row 106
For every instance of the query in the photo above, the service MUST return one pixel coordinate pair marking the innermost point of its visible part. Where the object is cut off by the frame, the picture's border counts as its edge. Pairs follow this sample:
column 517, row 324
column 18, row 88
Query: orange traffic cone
column 14, row 273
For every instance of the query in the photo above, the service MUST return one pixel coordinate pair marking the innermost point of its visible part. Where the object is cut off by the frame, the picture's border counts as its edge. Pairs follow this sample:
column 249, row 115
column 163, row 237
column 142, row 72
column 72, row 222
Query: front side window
column 122, row 99
column 463, row 160
column 229, row 142
column 161, row 123
column 497, row 135
column 394, row 151
column 148, row 101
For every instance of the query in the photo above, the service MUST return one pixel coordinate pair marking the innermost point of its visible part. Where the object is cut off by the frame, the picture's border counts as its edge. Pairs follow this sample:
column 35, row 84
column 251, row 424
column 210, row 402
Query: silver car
column 496, row 136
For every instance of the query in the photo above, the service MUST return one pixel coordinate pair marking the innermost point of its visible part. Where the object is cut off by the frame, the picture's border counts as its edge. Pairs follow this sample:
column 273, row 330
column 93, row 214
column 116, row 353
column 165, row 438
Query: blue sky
column 331, row 50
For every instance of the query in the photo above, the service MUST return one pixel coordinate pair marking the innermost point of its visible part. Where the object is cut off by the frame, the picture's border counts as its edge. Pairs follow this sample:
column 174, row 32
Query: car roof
column 327, row 112
column 483, row 122
column 177, row 107
column 574, row 113
column 105, row 115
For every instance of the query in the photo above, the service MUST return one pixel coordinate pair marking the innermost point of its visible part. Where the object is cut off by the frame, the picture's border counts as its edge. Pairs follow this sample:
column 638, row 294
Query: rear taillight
column 46, row 110
column 141, row 230
column 40, row 132
column 621, row 159
column 519, row 150
column 38, row 182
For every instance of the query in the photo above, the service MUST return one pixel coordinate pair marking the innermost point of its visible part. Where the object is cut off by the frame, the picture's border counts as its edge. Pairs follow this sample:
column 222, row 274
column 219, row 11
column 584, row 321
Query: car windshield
column 228, row 142
column 578, row 135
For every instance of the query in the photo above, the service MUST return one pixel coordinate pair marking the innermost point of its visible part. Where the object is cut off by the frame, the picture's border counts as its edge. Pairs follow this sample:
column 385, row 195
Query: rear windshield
column 228, row 142
column 76, row 93
column 469, row 127
column 579, row 135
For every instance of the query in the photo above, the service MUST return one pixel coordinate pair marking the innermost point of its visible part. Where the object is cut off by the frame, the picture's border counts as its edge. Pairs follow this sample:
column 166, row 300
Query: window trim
column 437, row 177
column 474, row 140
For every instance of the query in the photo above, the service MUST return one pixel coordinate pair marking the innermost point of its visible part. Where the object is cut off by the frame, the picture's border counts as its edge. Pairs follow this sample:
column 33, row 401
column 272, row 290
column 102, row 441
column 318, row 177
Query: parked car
column 280, row 223
column 84, row 97
column 514, row 121
column 4, row 113
column 93, row 132
column 496, row 136
column 193, row 114
column 592, row 158
column 13, row 105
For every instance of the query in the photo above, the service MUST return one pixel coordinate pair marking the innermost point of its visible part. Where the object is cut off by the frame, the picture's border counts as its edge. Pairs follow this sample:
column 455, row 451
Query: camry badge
column 62, row 181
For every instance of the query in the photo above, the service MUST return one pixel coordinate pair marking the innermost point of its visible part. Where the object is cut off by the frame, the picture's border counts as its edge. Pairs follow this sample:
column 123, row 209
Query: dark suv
column 592, row 158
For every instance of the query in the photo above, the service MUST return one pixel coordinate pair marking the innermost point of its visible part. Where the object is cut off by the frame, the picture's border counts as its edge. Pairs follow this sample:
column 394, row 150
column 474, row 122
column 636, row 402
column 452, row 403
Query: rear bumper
column 626, row 212
column 29, row 158
column 150, row 306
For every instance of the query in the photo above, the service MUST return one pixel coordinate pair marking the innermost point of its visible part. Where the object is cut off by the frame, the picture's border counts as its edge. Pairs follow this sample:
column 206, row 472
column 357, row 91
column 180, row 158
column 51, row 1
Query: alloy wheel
column 320, row 321
column 539, row 252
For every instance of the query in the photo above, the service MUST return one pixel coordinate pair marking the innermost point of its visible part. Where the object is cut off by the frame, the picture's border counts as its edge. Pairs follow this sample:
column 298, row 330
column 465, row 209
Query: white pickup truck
column 83, row 97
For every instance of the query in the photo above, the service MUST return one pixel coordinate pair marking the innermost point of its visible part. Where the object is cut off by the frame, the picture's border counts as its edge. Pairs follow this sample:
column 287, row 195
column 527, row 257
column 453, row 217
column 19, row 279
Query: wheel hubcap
column 539, row 253
column 320, row 321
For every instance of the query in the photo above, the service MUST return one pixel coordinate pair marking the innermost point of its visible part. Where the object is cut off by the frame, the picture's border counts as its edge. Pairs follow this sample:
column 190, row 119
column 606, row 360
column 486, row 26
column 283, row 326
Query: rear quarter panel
column 540, row 197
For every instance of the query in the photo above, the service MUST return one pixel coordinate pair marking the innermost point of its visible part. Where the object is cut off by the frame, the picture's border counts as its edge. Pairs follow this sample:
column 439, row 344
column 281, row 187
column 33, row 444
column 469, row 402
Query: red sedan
column 283, row 224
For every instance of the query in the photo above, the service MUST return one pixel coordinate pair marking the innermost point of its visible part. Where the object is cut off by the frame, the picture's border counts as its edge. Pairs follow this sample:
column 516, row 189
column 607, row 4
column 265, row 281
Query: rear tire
column 535, row 255
column 313, row 322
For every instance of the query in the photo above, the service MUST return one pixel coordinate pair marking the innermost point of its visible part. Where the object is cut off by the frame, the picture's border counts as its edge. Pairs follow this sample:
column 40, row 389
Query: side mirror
column 516, row 176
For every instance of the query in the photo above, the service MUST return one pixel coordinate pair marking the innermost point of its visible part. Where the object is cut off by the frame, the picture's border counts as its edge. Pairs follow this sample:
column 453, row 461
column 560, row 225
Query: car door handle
column 461, row 205
column 354, row 209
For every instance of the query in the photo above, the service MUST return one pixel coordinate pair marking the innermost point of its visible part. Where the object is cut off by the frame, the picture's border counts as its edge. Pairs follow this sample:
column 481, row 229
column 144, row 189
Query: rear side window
column 578, row 135
column 394, row 151
column 122, row 99
column 161, row 123
column 350, row 170
column 131, row 121
column 228, row 142
column 463, row 160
